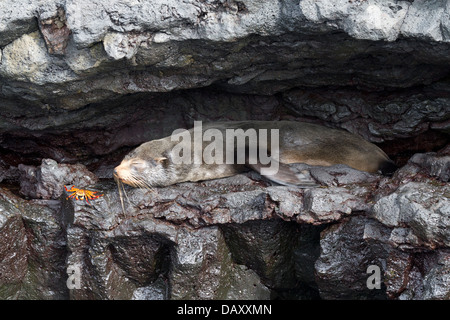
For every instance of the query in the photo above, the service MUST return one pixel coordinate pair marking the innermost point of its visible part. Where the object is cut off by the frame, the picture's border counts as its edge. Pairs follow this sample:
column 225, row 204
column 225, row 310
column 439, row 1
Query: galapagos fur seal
column 156, row 162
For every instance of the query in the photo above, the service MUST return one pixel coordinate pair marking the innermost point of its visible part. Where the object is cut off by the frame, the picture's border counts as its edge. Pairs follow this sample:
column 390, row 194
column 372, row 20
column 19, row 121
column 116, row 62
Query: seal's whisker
column 119, row 187
column 147, row 186
column 142, row 183
column 138, row 181
column 126, row 195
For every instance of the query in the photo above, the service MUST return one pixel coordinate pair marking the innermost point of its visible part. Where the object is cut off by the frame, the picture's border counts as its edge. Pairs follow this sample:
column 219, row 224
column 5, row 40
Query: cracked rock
column 47, row 181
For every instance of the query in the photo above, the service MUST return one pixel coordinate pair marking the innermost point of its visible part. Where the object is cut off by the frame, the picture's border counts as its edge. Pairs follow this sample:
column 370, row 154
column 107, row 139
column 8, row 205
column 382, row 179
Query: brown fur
column 299, row 143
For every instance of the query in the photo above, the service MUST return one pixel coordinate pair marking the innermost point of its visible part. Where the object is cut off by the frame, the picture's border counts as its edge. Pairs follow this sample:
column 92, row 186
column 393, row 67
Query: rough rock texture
column 48, row 180
column 236, row 238
column 378, row 68
column 83, row 82
column 33, row 250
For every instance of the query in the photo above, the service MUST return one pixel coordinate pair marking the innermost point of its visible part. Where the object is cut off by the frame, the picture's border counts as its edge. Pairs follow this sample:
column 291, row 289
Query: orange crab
column 82, row 194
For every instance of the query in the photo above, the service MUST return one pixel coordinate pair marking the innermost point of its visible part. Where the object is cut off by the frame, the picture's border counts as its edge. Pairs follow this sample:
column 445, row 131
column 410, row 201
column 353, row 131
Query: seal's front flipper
column 284, row 174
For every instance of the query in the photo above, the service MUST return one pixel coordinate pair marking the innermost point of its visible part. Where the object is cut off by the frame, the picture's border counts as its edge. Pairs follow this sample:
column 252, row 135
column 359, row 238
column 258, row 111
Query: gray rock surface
column 33, row 250
column 83, row 82
column 47, row 181
column 424, row 208
column 435, row 165
column 345, row 256
column 67, row 59
column 233, row 238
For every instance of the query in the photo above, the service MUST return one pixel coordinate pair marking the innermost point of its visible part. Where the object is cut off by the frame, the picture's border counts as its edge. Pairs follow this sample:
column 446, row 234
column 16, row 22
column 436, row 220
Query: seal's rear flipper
column 285, row 175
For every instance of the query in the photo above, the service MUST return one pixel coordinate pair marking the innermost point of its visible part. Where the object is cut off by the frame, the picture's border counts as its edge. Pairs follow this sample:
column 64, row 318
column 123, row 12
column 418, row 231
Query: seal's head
column 145, row 166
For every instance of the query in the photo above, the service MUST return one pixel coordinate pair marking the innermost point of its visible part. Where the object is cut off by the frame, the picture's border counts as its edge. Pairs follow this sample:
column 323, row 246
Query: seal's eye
column 137, row 165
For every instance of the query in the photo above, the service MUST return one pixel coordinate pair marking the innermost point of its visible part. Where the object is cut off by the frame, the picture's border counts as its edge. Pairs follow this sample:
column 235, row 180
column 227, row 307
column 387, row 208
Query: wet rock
column 436, row 281
column 266, row 247
column 435, row 165
column 203, row 269
column 200, row 258
column 180, row 220
column 82, row 82
column 401, row 276
column 239, row 237
column 46, row 277
column 341, row 268
column 155, row 291
column 99, row 276
column 424, row 208
column 281, row 253
column 13, row 254
column 8, row 173
column 278, row 255
column 47, row 181
column 245, row 284
column 420, row 276
column 185, row 263
column 306, row 251
column 33, row 257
